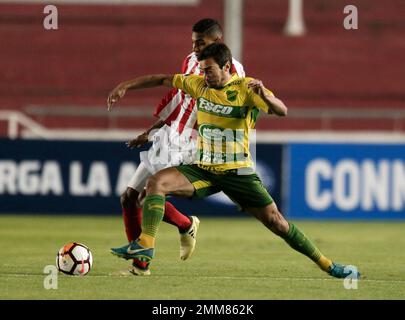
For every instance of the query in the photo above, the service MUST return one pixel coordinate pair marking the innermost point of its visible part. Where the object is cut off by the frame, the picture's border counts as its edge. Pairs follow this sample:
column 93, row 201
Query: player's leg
column 271, row 217
column 187, row 226
column 160, row 156
column 157, row 187
column 167, row 181
column 254, row 198
column 176, row 218
column 202, row 188
column 184, row 181
column 132, row 215
column 131, row 212
column 164, row 182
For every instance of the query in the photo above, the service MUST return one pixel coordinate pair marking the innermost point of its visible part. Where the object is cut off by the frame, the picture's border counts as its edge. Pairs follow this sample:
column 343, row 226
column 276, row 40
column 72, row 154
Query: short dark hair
column 208, row 27
column 219, row 52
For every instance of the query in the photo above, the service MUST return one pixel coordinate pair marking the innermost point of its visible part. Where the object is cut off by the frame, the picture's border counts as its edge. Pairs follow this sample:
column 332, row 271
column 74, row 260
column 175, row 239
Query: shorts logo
column 231, row 95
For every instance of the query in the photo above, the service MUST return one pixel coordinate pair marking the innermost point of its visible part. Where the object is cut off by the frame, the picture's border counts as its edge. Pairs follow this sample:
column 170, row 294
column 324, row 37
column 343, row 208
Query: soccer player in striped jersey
column 173, row 144
column 227, row 111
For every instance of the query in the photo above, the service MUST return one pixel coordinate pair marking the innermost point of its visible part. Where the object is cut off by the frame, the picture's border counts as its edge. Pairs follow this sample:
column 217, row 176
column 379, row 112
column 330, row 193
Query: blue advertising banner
column 346, row 181
column 88, row 177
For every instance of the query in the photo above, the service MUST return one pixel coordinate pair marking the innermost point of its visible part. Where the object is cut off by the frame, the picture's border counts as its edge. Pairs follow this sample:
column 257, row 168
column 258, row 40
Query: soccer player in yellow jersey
column 227, row 110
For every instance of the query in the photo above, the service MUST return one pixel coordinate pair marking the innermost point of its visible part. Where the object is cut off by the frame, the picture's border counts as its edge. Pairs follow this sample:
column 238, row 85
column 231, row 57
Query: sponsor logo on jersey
column 231, row 95
column 219, row 109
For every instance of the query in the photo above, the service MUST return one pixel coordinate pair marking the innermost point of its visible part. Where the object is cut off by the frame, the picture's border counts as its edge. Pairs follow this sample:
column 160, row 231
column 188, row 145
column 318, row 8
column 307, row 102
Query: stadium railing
column 23, row 125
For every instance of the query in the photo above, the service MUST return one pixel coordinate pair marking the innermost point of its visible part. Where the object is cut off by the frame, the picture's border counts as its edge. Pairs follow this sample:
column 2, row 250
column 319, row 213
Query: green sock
column 298, row 241
column 153, row 211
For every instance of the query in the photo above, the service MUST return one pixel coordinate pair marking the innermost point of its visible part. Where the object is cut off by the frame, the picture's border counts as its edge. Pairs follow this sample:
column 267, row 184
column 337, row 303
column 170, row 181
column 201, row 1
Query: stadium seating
column 331, row 78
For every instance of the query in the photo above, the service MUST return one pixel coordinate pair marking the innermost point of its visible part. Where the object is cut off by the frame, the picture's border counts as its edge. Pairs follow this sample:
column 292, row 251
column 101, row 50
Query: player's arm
column 169, row 103
column 143, row 138
column 149, row 81
column 274, row 104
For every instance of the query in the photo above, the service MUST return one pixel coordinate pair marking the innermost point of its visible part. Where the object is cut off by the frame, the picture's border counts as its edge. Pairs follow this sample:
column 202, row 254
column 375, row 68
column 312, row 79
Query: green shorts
column 247, row 191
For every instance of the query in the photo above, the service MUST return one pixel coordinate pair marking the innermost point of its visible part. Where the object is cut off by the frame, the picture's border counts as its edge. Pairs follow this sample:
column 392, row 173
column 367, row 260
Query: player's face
column 200, row 41
column 214, row 76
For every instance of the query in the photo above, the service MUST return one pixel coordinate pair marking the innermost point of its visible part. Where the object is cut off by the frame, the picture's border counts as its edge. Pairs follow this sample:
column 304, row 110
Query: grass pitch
column 234, row 259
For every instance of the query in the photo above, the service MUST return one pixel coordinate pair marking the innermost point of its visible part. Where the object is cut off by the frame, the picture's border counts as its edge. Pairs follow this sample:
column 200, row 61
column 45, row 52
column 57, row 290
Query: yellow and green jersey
column 225, row 117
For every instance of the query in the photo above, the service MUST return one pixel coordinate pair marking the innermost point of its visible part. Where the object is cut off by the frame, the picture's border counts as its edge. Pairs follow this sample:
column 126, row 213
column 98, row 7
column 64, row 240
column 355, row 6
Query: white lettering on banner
column 98, row 181
column 349, row 184
column 51, row 181
column 374, row 186
column 76, row 187
column 8, row 177
column 318, row 200
column 346, row 195
column 28, row 181
column 32, row 177
column 398, row 192
column 126, row 172
column 27, row 178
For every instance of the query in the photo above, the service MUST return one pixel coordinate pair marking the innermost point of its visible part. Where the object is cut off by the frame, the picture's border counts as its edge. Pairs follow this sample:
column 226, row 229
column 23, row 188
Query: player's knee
column 128, row 198
column 154, row 185
column 132, row 194
column 124, row 200
column 150, row 185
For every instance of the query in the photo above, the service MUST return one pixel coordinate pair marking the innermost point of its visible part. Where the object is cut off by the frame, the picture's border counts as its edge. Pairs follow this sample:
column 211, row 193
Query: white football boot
column 188, row 239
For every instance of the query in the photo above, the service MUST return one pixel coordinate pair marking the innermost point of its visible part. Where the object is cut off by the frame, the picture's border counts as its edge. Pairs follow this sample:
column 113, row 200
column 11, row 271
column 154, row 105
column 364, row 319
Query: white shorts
column 138, row 180
column 169, row 149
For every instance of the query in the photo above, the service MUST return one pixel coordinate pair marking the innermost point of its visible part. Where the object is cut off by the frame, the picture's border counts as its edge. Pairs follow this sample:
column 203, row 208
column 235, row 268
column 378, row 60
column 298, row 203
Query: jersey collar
column 233, row 77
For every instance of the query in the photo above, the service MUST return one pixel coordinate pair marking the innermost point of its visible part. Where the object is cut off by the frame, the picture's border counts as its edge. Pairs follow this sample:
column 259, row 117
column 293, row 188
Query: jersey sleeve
column 184, row 66
column 191, row 84
column 256, row 101
column 237, row 68
column 167, row 105
column 170, row 101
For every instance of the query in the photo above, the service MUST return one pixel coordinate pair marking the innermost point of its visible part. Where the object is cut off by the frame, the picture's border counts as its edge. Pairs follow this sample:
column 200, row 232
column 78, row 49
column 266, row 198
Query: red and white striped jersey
column 177, row 108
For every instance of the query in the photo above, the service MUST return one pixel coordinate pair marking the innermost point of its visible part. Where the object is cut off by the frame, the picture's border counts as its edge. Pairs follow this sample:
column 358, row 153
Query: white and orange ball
column 74, row 259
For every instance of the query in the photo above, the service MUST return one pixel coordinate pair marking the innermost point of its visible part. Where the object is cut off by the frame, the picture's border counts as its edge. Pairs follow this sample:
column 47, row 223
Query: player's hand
column 257, row 86
column 139, row 141
column 115, row 95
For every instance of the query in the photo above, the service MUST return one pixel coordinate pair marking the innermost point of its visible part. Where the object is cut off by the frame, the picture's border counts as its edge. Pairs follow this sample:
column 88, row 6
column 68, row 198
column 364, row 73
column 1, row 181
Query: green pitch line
column 234, row 259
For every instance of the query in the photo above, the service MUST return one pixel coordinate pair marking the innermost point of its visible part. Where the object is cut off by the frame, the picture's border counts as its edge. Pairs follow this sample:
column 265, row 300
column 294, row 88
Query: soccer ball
column 74, row 259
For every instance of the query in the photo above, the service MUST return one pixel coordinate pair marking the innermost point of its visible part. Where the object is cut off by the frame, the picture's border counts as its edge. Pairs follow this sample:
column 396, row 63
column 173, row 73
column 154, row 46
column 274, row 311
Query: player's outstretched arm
column 275, row 105
column 142, row 82
column 143, row 138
